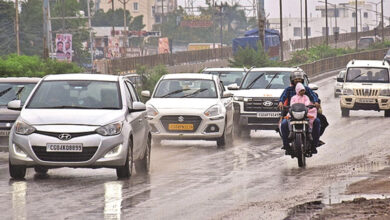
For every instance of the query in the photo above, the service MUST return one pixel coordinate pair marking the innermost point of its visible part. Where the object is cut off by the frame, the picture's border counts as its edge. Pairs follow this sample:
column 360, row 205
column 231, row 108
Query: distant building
column 150, row 9
column 344, row 14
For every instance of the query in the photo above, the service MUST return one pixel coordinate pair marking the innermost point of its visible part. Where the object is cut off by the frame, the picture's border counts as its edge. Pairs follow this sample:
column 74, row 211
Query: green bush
column 316, row 53
column 33, row 66
column 248, row 57
column 150, row 77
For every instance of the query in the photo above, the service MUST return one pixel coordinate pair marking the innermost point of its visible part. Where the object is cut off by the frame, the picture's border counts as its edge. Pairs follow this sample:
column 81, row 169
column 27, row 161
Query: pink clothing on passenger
column 304, row 99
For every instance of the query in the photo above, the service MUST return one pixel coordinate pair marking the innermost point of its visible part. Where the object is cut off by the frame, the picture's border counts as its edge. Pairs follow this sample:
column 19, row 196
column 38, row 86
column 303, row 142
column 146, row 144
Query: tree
column 31, row 27
column 7, row 27
column 248, row 57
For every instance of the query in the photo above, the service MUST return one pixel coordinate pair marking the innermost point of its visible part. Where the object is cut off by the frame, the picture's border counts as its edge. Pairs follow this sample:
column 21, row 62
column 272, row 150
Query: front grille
column 6, row 125
column 56, row 134
column 261, row 104
column 263, row 120
column 181, row 119
column 43, row 155
column 366, row 92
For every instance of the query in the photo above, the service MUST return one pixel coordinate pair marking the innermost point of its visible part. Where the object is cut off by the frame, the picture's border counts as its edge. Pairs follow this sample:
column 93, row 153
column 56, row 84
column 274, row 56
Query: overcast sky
column 290, row 7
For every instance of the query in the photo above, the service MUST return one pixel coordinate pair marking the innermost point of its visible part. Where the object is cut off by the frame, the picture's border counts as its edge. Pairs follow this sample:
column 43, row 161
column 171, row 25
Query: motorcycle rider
column 285, row 98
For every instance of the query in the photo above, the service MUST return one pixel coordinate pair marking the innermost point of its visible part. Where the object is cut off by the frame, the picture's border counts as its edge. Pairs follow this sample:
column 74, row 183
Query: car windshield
column 186, row 88
column 367, row 75
column 366, row 41
column 267, row 80
column 229, row 77
column 76, row 94
column 15, row 91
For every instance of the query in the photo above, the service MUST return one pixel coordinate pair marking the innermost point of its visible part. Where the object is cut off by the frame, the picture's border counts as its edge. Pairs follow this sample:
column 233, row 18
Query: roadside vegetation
column 33, row 66
column 150, row 78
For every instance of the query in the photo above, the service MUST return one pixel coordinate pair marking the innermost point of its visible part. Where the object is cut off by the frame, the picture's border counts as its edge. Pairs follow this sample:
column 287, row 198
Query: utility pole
column 17, row 26
column 113, row 21
column 261, row 15
column 306, row 27
column 356, row 27
column 124, row 2
column 281, row 30
column 45, row 7
column 301, row 26
column 383, row 21
column 326, row 23
column 213, row 14
column 90, row 34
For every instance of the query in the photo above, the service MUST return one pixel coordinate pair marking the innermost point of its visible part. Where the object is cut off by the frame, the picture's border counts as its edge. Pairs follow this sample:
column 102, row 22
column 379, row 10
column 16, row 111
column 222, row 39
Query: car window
column 266, row 80
column 133, row 92
column 15, row 91
column 367, row 75
column 83, row 94
column 229, row 77
column 186, row 88
column 388, row 53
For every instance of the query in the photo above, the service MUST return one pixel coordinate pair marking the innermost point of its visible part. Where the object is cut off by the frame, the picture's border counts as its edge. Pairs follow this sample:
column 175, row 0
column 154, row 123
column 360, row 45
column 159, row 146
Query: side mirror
column 340, row 79
column 15, row 105
column 227, row 95
column 138, row 107
column 313, row 87
column 145, row 93
column 233, row 87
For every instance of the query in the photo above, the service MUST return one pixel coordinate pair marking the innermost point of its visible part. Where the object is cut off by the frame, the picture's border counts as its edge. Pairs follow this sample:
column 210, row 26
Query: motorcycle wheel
column 300, row 154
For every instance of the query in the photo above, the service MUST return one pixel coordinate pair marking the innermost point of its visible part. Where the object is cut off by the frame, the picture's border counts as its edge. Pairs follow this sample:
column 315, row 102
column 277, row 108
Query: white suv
column 256, row 101
column 190, row 106
column 366, row 87
column 229, row 76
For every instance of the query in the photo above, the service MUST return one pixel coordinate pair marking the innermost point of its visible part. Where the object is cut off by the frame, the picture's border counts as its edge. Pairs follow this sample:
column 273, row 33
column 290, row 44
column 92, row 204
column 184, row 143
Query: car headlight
column 298, row 115
column 213, row 111
column 384, row 92
column 238, row 98
column 110, row 129
column 347, row 92
column 23, row 128
column 151, row 111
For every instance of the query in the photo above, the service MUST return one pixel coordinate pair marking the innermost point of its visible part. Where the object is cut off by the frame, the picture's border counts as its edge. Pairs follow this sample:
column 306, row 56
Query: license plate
column 64, row 148
column 181, row 127
column 4, row 133
column 268, row 114
column 366, row 100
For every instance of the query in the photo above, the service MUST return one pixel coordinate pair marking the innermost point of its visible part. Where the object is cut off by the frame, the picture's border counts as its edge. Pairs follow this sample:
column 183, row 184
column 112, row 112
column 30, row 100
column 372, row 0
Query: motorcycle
column 299, row 137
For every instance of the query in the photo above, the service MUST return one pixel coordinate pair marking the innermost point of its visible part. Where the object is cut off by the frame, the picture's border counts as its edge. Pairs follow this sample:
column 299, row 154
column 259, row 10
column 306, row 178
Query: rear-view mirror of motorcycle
column 313, row 86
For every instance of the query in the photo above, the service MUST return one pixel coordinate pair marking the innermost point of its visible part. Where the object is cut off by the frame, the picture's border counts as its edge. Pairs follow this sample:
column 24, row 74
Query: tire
column 221, row 142
column 16, row 172
column 41, row 170
column 244, row 132
column 387, row 113
column 156, row 141
column 298, row 145
column 125, row 171
column 143, row 165
column 336, row 95
column 344, row 112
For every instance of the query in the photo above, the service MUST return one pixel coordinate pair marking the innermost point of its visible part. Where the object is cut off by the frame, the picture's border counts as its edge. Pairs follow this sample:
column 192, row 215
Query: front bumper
column 377, row 103
column 34, row 147
column 202, row 126
column 251, row 121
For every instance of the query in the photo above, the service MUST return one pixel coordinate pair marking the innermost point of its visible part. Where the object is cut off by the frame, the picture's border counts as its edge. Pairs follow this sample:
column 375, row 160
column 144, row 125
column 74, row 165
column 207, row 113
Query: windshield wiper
column 254, row 81
column 356, row 77
column 5, row 91
column 174, row 92
column 269, row 84
column 67, row 106
column 194, row 93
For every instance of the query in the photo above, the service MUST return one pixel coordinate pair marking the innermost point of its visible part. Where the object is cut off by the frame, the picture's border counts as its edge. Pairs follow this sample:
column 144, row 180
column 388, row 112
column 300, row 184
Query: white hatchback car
column 190, row 106
column 80, row 120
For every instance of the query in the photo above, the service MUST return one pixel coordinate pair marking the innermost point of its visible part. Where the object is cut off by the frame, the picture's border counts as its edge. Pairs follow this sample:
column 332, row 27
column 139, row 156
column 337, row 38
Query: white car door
column 228, row 103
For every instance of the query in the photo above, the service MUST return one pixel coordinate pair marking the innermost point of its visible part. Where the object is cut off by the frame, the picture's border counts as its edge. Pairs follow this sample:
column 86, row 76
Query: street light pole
column 306, row 27
column 281, row 31
column 17, row 27
column 383, row 30
column 356, row 25
column 301, row 26
column 326, row 23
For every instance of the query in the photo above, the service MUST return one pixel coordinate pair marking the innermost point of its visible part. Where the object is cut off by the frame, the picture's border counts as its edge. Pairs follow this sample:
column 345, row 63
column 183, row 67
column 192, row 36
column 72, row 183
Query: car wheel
column 245, row 133
column 143, row 165
column 156, row 141
column 387, row 113
column 41, row 170
column 344, row 112
column 336, row 95
column 16, row 172
column 126, row 170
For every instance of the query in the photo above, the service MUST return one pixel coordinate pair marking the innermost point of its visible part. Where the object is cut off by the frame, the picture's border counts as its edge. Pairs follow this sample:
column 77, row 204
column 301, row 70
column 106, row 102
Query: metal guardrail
column 333, row 63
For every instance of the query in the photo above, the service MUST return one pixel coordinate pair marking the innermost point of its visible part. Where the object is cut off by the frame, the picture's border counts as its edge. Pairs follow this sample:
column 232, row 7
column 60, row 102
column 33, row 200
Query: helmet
column 297, row 75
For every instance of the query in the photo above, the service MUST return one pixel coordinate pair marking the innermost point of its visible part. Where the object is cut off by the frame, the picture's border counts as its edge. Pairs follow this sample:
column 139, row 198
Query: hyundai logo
column 180, row 119
column 268, row 103
column 65, row 137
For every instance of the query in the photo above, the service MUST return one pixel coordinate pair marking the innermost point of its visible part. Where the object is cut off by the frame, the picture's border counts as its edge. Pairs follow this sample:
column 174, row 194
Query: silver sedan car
column 80, row 120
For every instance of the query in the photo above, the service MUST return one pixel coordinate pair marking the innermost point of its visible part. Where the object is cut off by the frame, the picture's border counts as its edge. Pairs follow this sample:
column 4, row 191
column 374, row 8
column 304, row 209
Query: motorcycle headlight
column 298, row 115
column 110, row 129
column 23, row 128
column 213, row 111
column 347, row 92
column 238, row 98
column 384, row 92
column 151, row 111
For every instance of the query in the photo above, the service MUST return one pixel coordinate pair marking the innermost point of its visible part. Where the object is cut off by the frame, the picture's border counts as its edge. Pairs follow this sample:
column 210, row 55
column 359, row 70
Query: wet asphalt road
column 194, row 180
